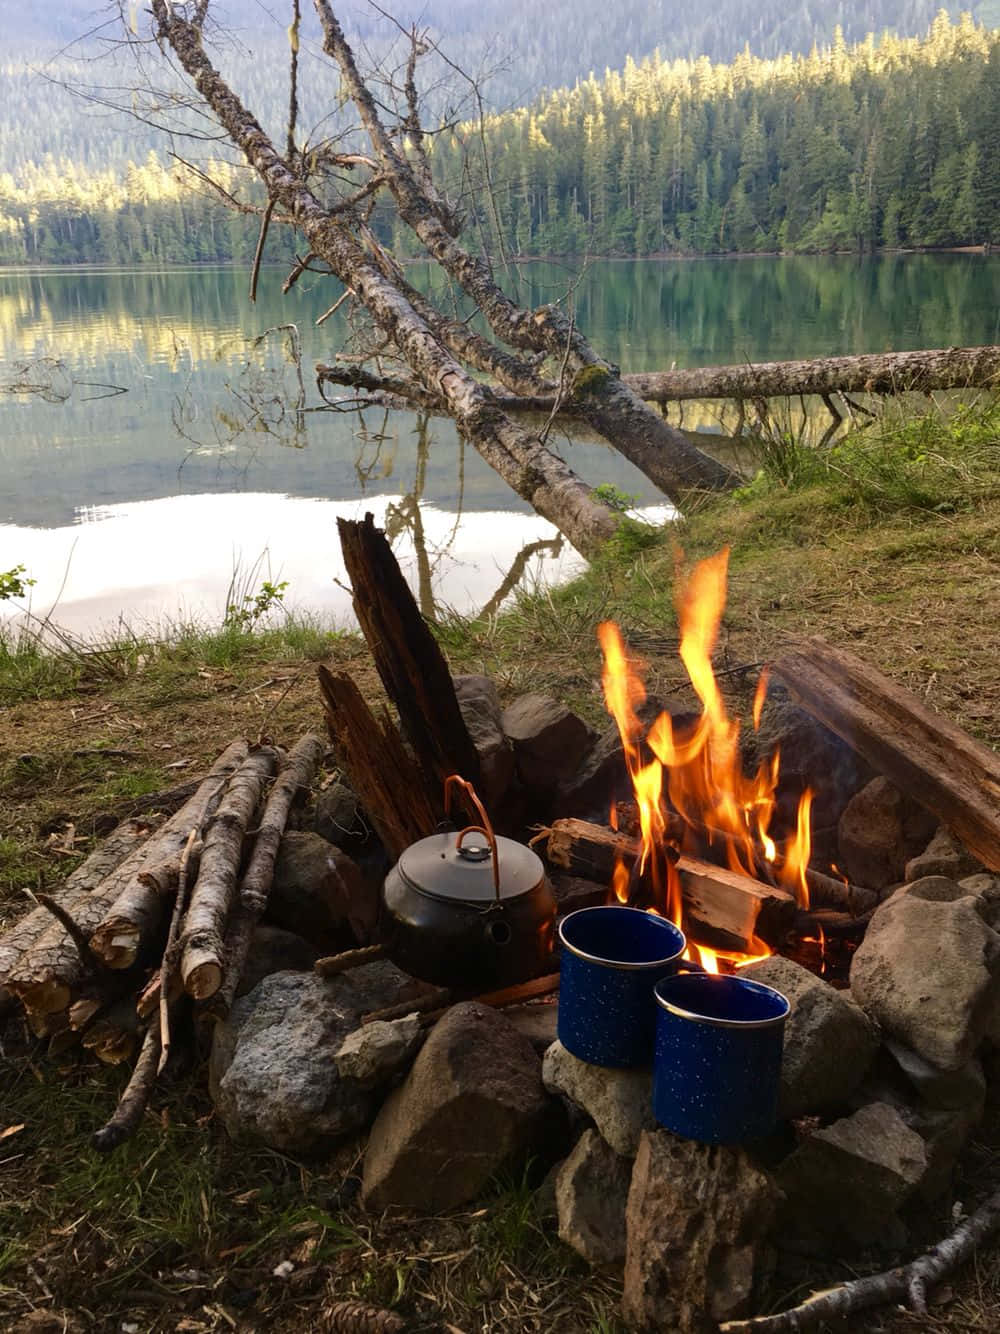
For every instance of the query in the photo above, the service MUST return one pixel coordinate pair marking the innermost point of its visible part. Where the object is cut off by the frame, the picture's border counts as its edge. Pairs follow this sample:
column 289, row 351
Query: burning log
column 136, row 918
column 926, row 756
column 409, row 661
column 727, row 910
column 202, row 944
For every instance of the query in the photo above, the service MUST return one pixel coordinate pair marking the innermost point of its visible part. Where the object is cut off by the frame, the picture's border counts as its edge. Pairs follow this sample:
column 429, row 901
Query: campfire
column 734, row 832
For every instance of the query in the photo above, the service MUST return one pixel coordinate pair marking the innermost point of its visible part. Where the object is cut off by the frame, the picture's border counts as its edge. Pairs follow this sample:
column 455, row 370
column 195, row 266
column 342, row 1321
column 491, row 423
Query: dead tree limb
column 203, row 948
column 907, row 1283
column 533, row 471
column 135, row 1099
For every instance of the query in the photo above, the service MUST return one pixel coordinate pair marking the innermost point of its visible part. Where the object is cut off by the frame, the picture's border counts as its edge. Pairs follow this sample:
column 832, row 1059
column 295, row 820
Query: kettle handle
column 485, row 827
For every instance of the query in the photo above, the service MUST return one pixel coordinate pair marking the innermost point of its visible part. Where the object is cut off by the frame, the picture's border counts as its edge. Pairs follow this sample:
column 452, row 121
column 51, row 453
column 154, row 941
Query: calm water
column 142, row 503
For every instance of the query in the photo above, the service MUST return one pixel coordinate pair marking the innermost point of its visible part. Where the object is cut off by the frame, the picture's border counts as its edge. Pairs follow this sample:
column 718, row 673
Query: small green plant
column 252, row 607
column 13, row 583
column 609, row 494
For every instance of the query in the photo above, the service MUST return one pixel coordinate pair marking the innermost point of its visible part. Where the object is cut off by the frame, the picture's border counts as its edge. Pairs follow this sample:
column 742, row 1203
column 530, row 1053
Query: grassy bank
column 889, row 543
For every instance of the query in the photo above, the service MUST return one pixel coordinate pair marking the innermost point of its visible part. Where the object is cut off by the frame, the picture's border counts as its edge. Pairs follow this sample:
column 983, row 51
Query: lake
column 156, row 443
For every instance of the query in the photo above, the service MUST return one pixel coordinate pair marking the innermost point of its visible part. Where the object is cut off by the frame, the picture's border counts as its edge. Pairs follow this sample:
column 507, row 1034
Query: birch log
column 203, row 947
column 295, row 777
column 137, row 916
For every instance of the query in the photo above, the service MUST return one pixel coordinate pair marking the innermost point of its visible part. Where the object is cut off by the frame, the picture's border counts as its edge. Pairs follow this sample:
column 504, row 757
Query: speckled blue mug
column 611, row 959
column 718, row 1057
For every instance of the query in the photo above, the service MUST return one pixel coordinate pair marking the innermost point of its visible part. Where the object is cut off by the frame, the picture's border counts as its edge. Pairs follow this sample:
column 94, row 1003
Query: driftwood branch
column 908, row 1283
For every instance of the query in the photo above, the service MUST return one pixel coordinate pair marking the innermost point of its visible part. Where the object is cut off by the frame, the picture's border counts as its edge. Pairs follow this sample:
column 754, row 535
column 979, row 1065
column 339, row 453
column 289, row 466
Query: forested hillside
column 891, row 142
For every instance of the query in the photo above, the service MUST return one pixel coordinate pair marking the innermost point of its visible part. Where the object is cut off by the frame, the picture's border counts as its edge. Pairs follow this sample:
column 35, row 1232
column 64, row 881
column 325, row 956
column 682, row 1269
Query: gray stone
column 538, row 1023
column 479, row 703
column 944, row 855
column 549, row 740
column 850, row 1179
column 879, row 831
column 945, row 1132
column 591, row 1189
column 928, row 971
column 318, row 892
column 274, row 950
column 272, row 1075
column 829, row 1040
column 939, row 1088
column 619, row 1102
column 986, row 888
column 375, row 1053
column 337, row 818
column 472, row 1102
column 697, row 1220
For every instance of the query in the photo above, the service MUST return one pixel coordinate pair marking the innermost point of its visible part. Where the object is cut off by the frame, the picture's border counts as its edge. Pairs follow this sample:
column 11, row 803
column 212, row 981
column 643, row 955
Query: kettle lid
column 446, row 868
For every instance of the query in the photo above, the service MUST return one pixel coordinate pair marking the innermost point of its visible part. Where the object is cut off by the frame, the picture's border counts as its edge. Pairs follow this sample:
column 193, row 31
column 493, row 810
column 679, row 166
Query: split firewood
column 728, row 910
column 925, row 755
column 827, row 892
column 48, row 974
column 202, row 942
column 432, row 999
column 296, row 776
column 101, row 862
column 504, row 998
column 136, row 918
column 907, row 1283
column 378, row 765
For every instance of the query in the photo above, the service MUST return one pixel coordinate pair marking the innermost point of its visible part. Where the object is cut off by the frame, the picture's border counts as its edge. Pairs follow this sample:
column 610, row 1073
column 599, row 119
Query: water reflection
column 182, row 553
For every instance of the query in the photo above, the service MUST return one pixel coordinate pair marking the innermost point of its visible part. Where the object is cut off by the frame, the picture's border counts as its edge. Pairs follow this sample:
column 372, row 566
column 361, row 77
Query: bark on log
column 378, row 765
column 203, row 947
column 925, row 755
column 105, row 858
column 296, row 776
column 134, row 925
column 881, row 373
column 723, row 910
column 409, row 661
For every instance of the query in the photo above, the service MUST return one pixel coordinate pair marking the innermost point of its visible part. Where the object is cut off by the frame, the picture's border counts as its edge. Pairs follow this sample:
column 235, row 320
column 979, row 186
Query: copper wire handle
column 484, row 827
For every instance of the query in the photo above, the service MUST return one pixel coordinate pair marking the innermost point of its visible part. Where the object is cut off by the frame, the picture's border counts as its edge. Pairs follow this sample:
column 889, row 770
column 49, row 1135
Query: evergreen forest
column 890, row 142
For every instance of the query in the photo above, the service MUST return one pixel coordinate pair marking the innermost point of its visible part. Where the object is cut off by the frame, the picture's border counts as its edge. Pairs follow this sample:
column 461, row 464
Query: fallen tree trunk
column 725, row 910
column 925, row 755
column 203, row 947
column 879, row 373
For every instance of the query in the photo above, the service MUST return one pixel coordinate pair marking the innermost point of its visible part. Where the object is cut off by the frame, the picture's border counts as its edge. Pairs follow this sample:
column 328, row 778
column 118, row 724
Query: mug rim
column 728, row 980
column 621, row 964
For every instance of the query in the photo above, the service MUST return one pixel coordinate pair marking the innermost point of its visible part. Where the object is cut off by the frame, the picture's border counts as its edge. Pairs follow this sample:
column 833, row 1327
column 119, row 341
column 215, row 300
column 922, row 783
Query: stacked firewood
column 158, row 913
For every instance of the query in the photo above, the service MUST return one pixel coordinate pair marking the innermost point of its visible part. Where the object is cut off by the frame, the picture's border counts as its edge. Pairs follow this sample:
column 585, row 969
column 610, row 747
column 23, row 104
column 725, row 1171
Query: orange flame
column 697, row 771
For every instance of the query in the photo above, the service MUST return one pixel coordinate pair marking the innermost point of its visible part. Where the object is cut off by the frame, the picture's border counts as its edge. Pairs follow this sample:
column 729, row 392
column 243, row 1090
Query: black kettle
column 469, row 910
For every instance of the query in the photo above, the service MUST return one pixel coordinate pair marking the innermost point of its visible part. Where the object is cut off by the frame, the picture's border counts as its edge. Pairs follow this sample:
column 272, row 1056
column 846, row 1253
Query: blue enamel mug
column 611, row 959
column 717, row 1059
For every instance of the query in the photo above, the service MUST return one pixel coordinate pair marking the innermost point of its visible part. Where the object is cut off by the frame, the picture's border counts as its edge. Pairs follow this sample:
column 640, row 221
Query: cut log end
column 202, row 973
column 48, row 996
column 116, row 942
